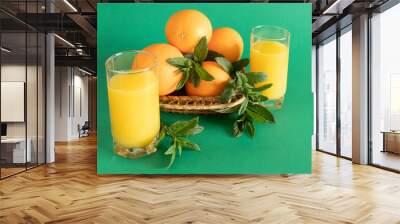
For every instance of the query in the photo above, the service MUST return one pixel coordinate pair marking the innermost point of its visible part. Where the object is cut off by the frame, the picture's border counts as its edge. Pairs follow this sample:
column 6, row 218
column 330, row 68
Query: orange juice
column 271, row 57
column 134, row 108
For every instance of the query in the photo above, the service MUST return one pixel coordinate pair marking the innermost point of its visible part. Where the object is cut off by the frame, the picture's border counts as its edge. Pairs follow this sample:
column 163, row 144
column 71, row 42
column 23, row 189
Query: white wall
column 71, row 94
column 80, row 109
column 16, row 72
column 62, row 82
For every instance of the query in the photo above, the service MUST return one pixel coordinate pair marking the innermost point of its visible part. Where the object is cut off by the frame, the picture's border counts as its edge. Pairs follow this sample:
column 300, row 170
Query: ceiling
column 75, row 22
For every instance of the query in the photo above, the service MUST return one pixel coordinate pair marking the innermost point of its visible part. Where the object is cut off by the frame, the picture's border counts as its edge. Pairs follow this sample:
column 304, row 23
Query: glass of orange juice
column 269, row 53
column 133, row 102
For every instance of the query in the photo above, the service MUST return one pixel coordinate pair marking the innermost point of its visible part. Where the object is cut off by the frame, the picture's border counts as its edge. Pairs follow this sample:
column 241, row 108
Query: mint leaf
column 203, row 74
column 170, row 150
column 195, row 79
column 180, row 128
column 172, row 159
column 260, row 113
column 241, row 79
column 257, row 97
column 243, row 107
column 201, row 50
column 180, row 62
column 224, row 63
column 212, row 55
column 250, row 128
column 256, row 117
column 179, row 147
column 186, row 128
column 240, row 64
column 188, row 144
column 228, row 91
column 194, row 131
column 188, row 55
column 263, row 87
column 237, row 131
column 256, row 77
column 183, row 81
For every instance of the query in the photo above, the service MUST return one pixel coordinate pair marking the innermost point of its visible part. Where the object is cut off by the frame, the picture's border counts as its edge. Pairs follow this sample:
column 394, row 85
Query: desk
column 17, row 150
column 391, row 141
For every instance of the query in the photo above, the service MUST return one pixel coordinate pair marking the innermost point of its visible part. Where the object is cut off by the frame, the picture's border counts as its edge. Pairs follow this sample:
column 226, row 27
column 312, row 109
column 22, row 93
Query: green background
column 284, row 147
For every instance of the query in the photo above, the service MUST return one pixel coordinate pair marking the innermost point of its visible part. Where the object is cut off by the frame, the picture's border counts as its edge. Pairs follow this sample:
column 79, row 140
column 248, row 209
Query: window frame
column 337, row 35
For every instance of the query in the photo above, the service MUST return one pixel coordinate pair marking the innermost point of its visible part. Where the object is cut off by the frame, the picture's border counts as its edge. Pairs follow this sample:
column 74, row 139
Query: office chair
column 84, row 130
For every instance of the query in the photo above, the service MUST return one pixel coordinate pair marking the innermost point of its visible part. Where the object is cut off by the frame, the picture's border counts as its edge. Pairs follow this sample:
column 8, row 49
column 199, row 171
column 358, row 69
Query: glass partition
column 14, row 145
column 23, row 89
column 327, row 96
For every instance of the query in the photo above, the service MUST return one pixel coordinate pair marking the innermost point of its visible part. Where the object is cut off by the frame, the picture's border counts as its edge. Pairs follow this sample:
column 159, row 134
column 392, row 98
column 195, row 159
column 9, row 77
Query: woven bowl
column 197, row 104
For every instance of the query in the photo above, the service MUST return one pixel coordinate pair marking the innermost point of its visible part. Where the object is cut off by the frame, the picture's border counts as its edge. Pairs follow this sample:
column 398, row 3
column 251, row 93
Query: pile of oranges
column 183, row 31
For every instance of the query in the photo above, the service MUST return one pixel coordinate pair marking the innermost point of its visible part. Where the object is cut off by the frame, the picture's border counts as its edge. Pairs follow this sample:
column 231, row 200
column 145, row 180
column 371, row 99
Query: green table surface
column 284, row 147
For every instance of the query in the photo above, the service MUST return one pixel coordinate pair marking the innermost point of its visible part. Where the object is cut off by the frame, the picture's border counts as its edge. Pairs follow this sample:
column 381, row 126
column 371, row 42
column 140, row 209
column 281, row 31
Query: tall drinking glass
column 269, row 53
column 133, row 102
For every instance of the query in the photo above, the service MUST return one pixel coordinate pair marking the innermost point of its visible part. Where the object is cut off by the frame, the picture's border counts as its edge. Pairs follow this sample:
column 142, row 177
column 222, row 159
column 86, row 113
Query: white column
column 360, row 90
column 50, row 99
column 50, row 92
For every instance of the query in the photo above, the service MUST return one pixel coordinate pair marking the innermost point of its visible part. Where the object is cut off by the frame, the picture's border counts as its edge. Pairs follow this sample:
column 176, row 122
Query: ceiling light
column 64, row 40
column 333, row 6
column 337, row 7
column 84, row 71
column 5, row 50
column 70, row 5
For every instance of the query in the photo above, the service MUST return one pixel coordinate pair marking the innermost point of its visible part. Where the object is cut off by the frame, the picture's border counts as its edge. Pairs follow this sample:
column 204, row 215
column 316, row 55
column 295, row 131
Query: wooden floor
column 5, row 172
column 69, row 191
column 387, row 159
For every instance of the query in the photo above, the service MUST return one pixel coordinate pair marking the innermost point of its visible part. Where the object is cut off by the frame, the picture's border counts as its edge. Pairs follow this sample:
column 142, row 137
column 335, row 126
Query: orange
column 209, row 88
column 168, row 76
column 227, row 42
column 185, row 28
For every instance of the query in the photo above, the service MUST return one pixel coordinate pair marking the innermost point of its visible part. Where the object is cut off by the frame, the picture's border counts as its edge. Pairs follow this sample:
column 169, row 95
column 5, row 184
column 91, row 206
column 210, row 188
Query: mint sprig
column 244, row 83
column 178, row 133
column 190, row 64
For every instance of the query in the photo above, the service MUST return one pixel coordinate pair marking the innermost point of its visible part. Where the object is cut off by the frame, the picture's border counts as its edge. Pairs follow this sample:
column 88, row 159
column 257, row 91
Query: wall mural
column 213, row 88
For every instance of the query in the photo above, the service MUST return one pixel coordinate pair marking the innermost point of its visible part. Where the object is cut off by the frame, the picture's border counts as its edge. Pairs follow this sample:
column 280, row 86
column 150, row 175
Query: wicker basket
column 197, row 104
